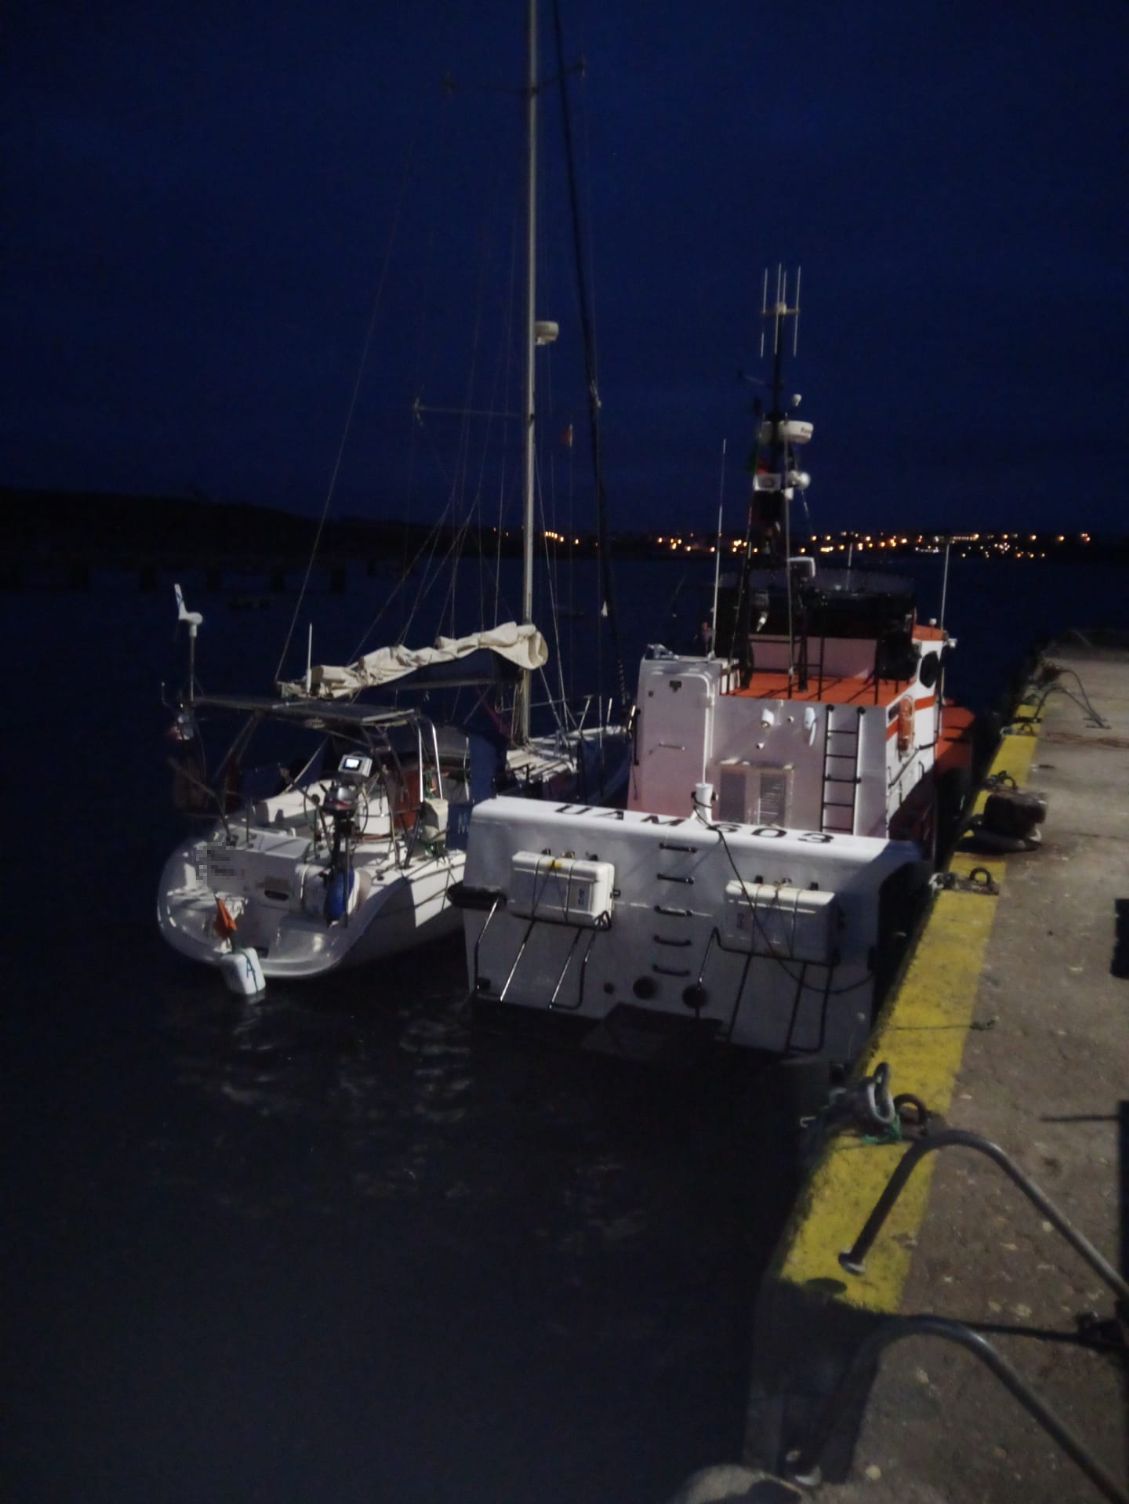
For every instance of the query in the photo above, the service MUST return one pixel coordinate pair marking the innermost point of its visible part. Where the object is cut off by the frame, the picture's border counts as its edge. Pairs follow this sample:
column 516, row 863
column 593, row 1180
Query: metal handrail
column 494, row 907
column 517, row 959
column 564, row 1007
column 852, row 1259
column 803, row 1466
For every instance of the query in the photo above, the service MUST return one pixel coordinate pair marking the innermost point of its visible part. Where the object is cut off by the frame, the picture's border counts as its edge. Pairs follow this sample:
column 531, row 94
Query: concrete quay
column 1011, row 1022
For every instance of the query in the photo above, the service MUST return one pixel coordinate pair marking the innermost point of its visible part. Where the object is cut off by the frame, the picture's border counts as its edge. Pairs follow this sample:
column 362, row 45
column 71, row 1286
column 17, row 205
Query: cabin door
column 674, row 743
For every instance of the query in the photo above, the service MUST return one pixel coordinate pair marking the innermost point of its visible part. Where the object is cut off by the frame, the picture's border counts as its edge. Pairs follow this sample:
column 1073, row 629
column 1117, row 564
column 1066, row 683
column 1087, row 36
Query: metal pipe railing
column 852, row 1259
column 804, row 1466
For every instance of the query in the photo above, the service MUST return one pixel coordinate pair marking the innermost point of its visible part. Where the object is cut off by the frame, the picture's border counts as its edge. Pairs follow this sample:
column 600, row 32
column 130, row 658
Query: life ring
column 905, row 725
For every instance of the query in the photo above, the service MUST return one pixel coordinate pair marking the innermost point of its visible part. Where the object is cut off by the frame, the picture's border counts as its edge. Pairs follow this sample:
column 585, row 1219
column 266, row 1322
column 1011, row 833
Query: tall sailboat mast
column 530, row 346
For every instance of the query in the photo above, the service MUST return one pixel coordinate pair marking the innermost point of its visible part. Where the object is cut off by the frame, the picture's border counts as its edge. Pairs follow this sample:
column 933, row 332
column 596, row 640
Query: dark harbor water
column 341, row 1244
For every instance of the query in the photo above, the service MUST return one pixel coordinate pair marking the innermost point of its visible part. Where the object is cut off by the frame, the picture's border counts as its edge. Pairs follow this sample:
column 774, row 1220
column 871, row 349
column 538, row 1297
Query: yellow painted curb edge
column 921, row 1036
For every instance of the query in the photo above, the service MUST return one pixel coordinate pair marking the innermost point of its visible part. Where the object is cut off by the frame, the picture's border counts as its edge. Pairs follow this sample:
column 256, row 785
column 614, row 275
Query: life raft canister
column 905, row 725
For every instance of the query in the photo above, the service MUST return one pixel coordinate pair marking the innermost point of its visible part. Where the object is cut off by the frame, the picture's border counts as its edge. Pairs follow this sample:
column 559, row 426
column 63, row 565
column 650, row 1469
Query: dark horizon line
column 32, row 514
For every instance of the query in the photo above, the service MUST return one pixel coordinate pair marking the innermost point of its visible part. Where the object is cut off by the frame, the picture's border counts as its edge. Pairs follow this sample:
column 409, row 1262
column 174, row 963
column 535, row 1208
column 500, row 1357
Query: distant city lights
column 975, row 544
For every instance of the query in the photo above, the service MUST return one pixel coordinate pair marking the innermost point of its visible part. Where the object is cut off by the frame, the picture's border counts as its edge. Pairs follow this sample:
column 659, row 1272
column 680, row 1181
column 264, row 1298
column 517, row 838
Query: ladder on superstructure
column 841, row 771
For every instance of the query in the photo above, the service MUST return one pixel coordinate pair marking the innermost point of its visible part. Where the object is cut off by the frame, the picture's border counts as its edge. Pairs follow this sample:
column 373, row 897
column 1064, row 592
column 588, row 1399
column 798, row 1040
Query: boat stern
column 779, row 940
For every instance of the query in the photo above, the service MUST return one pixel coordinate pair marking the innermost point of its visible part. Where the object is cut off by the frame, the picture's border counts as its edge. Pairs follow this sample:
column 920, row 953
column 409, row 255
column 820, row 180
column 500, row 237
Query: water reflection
column 343, row 1085
column 528, row 1229
column 338, row 1099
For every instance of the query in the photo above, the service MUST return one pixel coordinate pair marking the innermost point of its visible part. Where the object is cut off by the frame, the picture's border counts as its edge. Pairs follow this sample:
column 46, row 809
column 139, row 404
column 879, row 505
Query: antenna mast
column 775, row 479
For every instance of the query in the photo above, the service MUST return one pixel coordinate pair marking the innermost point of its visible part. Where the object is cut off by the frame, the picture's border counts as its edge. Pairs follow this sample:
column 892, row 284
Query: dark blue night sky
column 202, row 201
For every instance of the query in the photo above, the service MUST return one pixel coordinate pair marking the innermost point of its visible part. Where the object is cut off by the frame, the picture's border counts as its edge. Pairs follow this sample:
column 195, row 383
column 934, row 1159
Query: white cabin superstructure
column 844, row 753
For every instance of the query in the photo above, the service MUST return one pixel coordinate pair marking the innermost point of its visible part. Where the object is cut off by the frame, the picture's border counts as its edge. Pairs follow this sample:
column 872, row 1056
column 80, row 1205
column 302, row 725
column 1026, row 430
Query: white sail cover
column 519, row 644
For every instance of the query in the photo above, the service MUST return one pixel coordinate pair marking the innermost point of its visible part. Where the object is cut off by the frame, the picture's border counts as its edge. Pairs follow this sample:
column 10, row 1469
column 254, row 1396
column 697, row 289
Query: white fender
column 243, row 972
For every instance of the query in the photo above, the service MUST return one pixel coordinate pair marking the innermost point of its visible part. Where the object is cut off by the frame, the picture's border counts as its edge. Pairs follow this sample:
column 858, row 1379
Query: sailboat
column 792, row 781
column 347, row 851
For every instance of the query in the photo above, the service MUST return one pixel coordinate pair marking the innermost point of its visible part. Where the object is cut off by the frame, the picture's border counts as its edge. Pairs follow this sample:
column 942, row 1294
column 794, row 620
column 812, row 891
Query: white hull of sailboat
column 260, row 883
column 393, row 912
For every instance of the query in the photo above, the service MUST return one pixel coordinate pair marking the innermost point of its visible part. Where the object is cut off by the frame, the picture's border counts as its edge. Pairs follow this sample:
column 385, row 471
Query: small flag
column 566, row 437
column 225, row 926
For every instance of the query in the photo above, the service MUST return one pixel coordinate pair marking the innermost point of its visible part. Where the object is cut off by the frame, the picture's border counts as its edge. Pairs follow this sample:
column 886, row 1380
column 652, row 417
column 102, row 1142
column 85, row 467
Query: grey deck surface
column 1048, row 1081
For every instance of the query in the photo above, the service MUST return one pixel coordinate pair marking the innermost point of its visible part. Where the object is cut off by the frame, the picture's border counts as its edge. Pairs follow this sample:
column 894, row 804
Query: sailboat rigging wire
column 571, row 617
column 454, row 550
column 498, row 535
column 788, row 584
column 589, row 340
column 586, row 223
column 549, row 524
column 586, row 182
column 507, row 337
column 739, row 646
column 554, row 596
column 457, row 481
column 356, row 392
column 428, row 547
column 945, row 582
column 463, row 412
column 474, row 510
column 717, row 552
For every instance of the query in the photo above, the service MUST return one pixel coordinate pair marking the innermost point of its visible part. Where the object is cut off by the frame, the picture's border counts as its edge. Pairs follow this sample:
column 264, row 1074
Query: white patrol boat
column 788, row 788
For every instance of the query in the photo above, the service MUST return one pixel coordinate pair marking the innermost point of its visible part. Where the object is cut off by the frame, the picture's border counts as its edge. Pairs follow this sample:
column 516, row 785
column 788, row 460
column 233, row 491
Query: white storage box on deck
column 796, row 924
column 562, row 890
